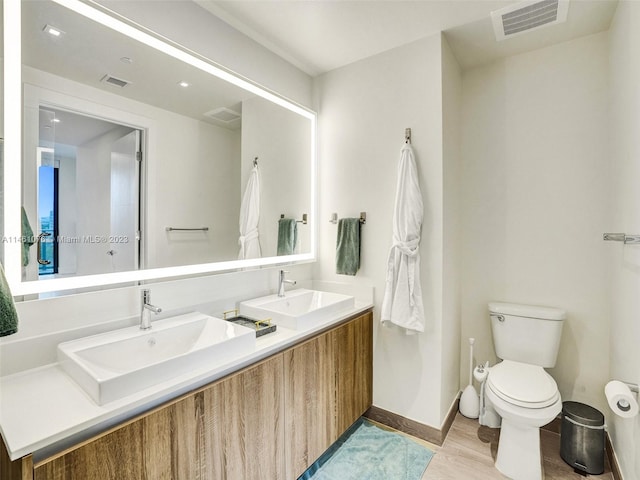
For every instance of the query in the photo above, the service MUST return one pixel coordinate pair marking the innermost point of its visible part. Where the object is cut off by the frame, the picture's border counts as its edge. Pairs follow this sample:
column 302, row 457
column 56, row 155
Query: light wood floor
column 469, row 452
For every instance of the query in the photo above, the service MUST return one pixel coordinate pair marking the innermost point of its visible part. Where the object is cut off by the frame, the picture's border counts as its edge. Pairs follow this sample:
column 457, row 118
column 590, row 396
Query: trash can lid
column 582, row 414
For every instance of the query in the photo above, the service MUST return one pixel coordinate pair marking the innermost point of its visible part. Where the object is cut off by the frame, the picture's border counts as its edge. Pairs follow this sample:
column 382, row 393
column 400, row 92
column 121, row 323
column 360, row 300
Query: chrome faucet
column 282, row 281
column 146, row 309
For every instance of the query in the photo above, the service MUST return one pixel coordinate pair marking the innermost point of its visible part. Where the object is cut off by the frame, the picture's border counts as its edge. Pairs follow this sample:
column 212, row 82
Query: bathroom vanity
column 270, row 419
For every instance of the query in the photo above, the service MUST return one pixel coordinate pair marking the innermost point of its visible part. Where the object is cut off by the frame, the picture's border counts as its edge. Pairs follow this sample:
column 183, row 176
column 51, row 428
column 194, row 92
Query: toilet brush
column 470, row 401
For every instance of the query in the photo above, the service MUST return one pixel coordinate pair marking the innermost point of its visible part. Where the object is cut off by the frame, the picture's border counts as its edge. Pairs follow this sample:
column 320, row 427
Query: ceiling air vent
column 223, row 114
column 117, row 82
column 526, row 16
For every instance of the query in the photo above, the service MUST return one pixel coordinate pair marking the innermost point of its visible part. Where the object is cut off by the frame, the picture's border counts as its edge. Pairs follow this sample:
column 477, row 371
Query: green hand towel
column 8, row 314
column 348, row 246
column 27, row 238
column 287, row 236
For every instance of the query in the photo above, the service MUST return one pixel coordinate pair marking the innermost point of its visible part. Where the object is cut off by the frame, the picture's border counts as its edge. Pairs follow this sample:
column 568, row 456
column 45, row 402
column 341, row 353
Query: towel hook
column 407, row 135
column 255, row 162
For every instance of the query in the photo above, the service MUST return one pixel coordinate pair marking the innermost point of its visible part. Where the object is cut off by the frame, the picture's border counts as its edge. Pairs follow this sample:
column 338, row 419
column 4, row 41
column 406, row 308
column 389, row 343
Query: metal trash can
column 582, row 438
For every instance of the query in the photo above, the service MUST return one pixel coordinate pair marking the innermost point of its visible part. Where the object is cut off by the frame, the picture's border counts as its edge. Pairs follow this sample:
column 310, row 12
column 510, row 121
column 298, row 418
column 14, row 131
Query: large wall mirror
column 136, row 159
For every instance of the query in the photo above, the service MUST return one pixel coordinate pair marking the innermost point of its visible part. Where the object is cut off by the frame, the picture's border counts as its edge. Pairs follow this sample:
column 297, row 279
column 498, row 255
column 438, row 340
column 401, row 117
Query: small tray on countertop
column 262, row 327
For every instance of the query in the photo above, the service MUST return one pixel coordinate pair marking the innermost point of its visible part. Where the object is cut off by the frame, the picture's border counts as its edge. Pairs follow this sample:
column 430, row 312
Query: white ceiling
column 88, row 51
column 320, row 35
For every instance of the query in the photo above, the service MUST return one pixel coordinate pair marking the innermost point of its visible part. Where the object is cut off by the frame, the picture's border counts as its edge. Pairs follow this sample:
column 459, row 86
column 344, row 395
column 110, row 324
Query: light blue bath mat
column 366, row 452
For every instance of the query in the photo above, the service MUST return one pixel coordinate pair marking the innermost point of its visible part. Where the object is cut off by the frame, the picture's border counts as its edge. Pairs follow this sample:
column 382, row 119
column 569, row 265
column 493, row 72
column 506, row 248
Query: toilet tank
column 526, row 333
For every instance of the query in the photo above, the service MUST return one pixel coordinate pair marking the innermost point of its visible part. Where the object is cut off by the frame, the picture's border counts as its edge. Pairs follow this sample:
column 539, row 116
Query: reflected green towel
column 348, row 246
column 287, row 236
column 8, row 314
column 27, row 238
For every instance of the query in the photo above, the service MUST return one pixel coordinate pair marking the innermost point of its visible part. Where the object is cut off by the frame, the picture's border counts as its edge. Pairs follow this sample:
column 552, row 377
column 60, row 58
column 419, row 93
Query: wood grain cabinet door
column 231, row 430
column 354, row 369
column 309, row 383
column 253, row 441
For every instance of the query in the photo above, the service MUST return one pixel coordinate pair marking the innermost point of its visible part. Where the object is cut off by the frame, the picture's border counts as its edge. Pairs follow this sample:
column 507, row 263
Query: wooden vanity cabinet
column 310, row 386
column 232, row 429
column 328, row 386
column 269, row 421
column 354, row 369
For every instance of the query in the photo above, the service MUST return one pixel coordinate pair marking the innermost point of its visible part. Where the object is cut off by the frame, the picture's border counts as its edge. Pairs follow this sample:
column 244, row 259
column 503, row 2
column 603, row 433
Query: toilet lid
column 523, row 384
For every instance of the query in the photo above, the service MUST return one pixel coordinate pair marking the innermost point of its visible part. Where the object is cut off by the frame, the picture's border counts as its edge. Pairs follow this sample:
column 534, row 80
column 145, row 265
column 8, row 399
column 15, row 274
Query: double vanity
column 195, row 396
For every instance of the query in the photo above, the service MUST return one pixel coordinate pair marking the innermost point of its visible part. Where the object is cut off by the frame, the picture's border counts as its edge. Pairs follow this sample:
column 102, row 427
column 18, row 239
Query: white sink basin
column 115, row 364
column 298, row 309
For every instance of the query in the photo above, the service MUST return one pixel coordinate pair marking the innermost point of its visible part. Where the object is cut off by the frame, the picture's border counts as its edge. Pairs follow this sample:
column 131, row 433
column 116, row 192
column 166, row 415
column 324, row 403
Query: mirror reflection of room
column 88, row 195
column 95, row 101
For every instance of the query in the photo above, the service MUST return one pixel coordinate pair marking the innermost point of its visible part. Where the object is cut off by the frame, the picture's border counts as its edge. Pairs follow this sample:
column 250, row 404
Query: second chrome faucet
column 146, row 308
column 282, row 281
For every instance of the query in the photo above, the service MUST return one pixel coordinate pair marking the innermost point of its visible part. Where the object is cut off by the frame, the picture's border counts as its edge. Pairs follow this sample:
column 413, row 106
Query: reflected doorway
column 88, row 195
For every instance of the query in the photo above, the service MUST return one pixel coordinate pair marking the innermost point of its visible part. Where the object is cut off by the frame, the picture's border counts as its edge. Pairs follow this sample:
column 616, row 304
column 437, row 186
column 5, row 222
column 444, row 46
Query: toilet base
column 519, row 452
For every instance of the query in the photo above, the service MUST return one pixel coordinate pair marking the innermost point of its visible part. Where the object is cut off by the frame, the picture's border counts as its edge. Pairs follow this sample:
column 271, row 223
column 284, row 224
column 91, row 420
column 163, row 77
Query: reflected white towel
column 402, row 303
column 249, row 240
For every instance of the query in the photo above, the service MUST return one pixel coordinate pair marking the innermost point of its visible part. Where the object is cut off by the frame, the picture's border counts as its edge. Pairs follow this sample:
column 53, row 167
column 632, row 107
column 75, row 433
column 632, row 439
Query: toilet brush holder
column 470, row 400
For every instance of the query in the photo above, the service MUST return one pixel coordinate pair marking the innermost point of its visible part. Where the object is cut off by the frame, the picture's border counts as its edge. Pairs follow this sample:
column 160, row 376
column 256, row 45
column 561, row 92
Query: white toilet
column 526, row 338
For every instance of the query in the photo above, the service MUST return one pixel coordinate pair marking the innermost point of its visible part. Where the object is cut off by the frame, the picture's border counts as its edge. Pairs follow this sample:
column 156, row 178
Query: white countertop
column 42, row 410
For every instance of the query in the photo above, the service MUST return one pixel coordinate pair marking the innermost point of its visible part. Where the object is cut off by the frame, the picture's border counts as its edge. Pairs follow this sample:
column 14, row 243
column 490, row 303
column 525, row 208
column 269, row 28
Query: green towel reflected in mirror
column 287, row 236
column 8, row 314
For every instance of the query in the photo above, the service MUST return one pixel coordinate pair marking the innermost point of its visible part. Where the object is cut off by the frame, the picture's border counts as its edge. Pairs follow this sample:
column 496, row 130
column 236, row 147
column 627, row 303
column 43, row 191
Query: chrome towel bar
column 174, row 229
column 363, row 218
column 621, row 237
column 303, row 221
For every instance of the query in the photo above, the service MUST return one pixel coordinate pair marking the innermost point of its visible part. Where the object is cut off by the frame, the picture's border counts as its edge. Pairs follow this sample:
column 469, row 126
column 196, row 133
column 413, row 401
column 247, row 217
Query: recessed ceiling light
column 184, row 84
column 56, row 120
column 53, row 31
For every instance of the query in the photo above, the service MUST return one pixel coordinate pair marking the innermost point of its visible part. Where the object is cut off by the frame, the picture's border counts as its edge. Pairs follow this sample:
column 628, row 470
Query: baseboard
column 412, row 427
column 613, row 460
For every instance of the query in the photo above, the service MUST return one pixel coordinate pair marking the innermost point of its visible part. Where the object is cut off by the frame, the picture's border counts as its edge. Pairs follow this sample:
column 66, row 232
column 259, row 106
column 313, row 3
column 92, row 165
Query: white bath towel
column 249, row 240
column 402, row 303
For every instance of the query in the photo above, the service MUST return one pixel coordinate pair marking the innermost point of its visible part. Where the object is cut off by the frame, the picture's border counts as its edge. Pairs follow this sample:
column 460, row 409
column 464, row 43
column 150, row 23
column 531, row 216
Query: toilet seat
column 523, row 384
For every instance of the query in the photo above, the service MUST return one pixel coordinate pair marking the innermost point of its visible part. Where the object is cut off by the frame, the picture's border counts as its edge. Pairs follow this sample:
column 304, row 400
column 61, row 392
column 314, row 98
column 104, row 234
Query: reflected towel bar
column 174, row 229
column 621, row 237
column 303, row 221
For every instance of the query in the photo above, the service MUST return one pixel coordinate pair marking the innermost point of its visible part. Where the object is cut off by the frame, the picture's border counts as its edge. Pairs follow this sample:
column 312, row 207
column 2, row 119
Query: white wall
column 93, row 200
column 195, row 182
column 534, row 196
column 364, row 109
column 452, row 234
column 67, row 218
column 624, row 52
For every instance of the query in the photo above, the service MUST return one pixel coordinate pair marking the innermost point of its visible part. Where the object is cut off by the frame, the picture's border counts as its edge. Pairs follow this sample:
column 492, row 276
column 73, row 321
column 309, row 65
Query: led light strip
column 12, row 12
column 153, row 42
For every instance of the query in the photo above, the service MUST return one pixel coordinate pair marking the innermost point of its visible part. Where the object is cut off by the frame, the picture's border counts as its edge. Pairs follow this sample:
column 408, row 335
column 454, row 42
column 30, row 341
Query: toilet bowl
column 526, row 398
